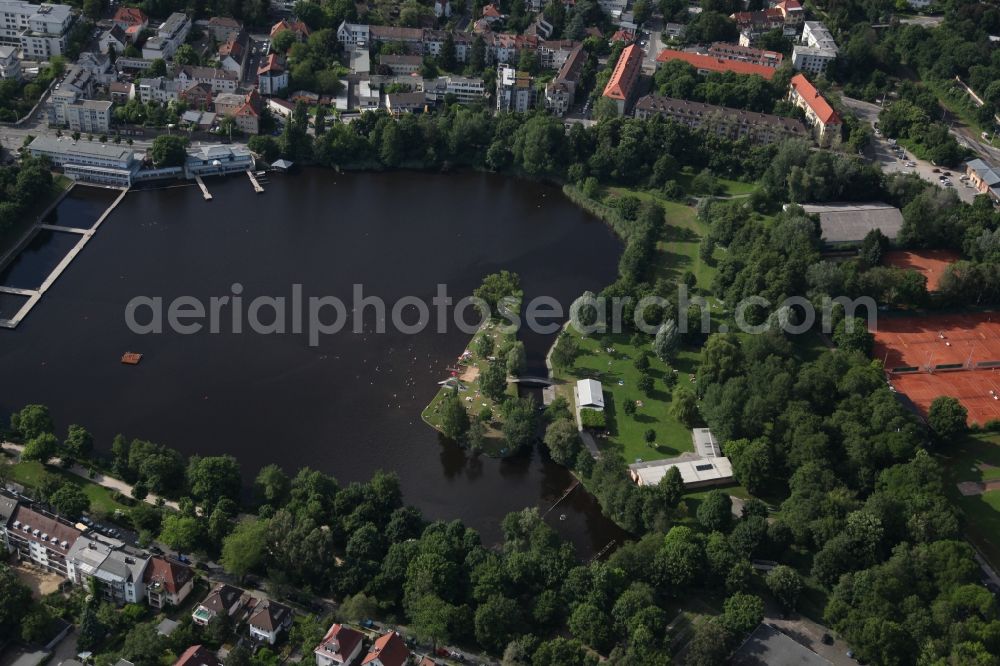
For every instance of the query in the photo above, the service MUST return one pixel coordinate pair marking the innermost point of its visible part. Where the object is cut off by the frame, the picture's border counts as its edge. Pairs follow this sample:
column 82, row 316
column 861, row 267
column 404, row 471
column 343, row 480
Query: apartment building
column 66, row 108
column 759, row 128
column 816, row 50
column 272, row 77
column 10, row 66
column 622, row 86
column 159, row 89
column 560, row 92
column 39, row 537
column 105, row 164
column 116, row 570
column 168, row 582
column 169, row 36
column 220, row 80
column 465, row 89
column 39, row 30
column 706, row 64
column 515, row 90
column 824, row 120
column 737, row 53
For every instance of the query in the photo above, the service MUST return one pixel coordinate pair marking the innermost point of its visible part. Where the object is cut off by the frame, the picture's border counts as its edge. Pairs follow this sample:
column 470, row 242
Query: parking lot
column 889, row 157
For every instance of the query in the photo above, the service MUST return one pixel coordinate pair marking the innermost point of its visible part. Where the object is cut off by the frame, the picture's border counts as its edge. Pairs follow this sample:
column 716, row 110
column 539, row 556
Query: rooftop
column 814, row 100
column 767, row 645
column 850, row 222
column 694, row 471
column 715, row 64
column 625, row 73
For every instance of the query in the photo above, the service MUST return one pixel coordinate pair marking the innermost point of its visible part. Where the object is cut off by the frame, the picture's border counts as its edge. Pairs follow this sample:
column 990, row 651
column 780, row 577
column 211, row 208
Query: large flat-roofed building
column 984, row 178
column 740, row 53
column 706, row 64
column 216, row 160
column 10, row 66
column 623, row 84
column 760, row 128
column 41, row 538
column 767, row 646
column 515, row 90
column 816, row 50
column 115, row 569
column 39, row 30
column 90, row 161
column 67, row 108
column 169, row 36
column 820, row 115
column 842, row 223
column 705, row 467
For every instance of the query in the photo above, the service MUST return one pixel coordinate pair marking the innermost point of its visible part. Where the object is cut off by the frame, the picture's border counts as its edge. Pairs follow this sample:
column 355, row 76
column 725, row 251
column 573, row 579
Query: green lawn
column 977, row 458
column 60, row 184
column 958, row 103
column 30, row 474
column 619, row 378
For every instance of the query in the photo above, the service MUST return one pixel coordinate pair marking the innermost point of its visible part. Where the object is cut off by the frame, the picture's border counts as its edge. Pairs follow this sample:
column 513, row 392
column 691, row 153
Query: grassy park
column 976, row 458
column 31, row 474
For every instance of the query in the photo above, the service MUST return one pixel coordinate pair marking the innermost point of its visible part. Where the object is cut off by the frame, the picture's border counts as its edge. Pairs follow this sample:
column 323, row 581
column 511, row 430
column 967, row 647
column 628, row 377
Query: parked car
column 827, row 639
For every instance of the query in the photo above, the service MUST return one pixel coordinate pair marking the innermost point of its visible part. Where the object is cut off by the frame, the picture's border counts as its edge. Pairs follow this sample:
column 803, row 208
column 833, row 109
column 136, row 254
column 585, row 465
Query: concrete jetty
column 70, row 230
column 204, row 190
column 35, row 295
column 257, row 187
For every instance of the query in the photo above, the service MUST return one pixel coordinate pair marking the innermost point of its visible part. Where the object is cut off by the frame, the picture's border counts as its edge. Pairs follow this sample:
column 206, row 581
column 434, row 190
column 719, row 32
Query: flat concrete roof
column 767, row 646
column 850, row 222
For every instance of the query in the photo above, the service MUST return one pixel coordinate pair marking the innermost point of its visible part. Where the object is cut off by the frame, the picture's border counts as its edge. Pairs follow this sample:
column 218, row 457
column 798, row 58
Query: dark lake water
column 30, row 268
column 348, row 406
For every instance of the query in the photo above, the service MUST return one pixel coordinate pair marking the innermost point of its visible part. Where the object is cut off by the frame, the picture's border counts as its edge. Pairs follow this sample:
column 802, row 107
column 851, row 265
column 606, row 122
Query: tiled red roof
column 807, row 91
column 130, row 16
column 296, row 26
column 491, row 11
column 172, row 574
column 388, row 649
column 625, row 73
column 714, row 64
column 198, row 655
column 622, row 36
column 271, row 64
column 340, row 640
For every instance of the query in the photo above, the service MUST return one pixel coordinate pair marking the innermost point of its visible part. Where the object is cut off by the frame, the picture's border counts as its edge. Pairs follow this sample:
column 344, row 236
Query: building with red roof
column 341, row 645
column 198, row 655
column 623, row 35
column 388, row 650
column 297, row 27
column 705, row 64
column 820, row 114
column 622, row 85
column 129, row 17
column 168, row 581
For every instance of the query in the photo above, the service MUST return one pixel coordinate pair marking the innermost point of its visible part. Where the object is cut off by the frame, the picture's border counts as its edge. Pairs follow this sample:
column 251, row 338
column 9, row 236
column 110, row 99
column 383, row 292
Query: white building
column 353, row 34
column 10, row 66
column 67, row 108
column 223, row 600
column 99, row 66
column 220, row 80
column 41, row 538
column 169, row 36
column 340, row 646
column 589, row 393
column 272, row 77
column 90, row 161
column 268, row 620
column 39, row 30
column 465, row 89
column 705, row 467
column 816, row 50
column 217, row 160
column 159, row 89
column 117, row 570
column 515, row 90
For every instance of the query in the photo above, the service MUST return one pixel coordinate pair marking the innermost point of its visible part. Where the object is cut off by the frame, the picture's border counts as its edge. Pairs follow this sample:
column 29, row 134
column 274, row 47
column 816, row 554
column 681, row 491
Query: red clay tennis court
column 957, row 355
column 929, row 263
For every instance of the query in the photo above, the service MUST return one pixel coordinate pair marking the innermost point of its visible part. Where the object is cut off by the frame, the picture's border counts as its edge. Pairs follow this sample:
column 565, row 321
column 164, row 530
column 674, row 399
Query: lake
column 347, row 406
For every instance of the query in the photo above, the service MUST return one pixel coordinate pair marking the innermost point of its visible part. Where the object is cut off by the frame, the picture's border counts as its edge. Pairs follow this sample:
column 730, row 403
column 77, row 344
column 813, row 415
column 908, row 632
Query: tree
column 36, row 625
column 245, row 548
column 186, row 55
column 563, row 441
column 32, row 421
column 272, row 485
column 169, row 151
column 15, row 600
column 667, row 341
column 41, row 447
column 684, row 406
column 565, row 352
column 519, row 420
column 144, row 645
column 494, row 380
column 947, row 417
column 645, row 384
column 70, row 501
column 181, row 532
column 852, row 334
column 516, row 359
column 431, row 617
column 497, row 287
column 751, row 462
column 741, row 613
column 785, row 584
column 79, row 443
column 497, row 622
column 358, row 607
column 283, row 41
column 715, row 512
column 212, row 478
column 446, row 58
column 157, row 68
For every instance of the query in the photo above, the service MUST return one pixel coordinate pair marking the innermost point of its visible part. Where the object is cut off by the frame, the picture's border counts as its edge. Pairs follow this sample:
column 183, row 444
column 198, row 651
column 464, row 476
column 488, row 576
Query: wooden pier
column 257, row 187
column 204, row 190
column 35, row 295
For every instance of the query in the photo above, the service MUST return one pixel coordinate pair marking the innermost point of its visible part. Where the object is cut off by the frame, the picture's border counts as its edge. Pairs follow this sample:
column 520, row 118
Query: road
column 654, row 44
column 882, row 152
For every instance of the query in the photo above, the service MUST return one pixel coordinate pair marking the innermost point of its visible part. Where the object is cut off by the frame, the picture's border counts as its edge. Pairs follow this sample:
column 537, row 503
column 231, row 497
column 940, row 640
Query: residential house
column 492, row 14
column 40, row 31
column 401, row 64
column 725, row 51
column 754, row 25
column 706, row 64
column 220, row 80
column 434, row 41
column 622, row 86
column 79, row 80
column 758, row 128
column 160, row 89
column 820, row 115
column 168, row 582
column 33, row 535
column 442, row 8
column 985, row 178
column 224, row 600
column 339, row 647
column 553, row 53
column 247, row 119
column 297, row 27
column 560, row 92
column 279, row 108
column 169, row 36
column 621, row 35
column 198, row 655
column 221, row 27
column 816, row 50
column 123, row 64
column 121, row 92
column 405, row 102
column 613, row 8
column 465, row 89
column 268, row 620
column 411, row 38
column 388, row 650
column 673, row 31
column 272, row 77
column 515, row 90
column 233, row 52
column 99, row 66
column 115, row 570
column 540, row 27
column 10, row 65
column 353, row 34
column 130, row 17
column 197, row 96
column 227, row 104
column 793, row 14
column 114, row 39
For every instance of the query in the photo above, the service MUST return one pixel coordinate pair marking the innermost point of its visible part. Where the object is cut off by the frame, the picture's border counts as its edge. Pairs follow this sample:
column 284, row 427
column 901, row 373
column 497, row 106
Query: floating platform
column 131, row 358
